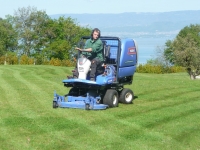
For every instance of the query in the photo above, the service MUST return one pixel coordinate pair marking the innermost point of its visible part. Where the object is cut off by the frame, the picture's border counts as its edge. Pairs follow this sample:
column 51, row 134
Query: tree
column 41, row 37
column 185, row 50
column 8, row 41
column 187, row 54
column 63, row 34
column 168, row 51
column 29, row 24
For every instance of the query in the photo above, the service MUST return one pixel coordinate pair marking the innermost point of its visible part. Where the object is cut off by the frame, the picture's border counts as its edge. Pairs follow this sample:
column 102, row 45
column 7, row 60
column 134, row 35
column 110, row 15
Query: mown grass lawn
column 164, row 115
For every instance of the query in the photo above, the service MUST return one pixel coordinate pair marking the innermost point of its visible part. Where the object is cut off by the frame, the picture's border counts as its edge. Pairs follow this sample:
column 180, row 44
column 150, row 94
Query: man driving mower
column 93, row 51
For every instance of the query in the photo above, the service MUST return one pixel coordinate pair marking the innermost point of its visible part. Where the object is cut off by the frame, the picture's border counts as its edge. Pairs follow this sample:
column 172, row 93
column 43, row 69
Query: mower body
column 120, row 61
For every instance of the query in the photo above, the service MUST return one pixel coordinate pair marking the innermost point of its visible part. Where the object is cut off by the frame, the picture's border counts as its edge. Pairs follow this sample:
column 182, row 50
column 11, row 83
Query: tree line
column 183, row 50
column 34, row 34
column 31, row 36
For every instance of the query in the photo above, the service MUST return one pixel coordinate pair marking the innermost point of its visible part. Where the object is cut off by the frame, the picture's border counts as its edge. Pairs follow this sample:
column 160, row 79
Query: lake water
column 147, row 47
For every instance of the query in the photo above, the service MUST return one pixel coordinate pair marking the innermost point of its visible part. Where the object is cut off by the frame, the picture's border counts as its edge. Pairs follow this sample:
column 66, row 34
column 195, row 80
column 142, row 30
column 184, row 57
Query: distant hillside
column 139, row 24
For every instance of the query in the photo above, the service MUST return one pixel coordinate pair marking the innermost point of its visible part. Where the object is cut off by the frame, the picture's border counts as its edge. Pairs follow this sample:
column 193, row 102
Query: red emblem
column 131, row 50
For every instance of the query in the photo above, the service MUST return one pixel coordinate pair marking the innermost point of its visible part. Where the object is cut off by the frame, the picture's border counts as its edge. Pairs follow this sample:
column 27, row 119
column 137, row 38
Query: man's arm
column 97, row 47
column 84, row 50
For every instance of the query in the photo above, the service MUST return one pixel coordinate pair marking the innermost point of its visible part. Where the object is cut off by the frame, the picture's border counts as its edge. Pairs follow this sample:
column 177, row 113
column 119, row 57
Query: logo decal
column 80, row 69
column 131, row 50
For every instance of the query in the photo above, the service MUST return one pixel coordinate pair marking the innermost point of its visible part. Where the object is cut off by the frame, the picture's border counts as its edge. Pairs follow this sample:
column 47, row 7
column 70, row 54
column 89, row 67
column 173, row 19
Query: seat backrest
column 106, row 51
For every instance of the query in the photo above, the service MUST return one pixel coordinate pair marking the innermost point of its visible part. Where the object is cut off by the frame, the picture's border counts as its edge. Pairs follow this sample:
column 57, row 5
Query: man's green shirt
column 97, row 49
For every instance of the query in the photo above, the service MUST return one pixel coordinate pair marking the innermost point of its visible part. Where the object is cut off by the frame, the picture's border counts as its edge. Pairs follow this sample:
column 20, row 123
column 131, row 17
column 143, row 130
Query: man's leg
column 96, row 69
column 93, row 69
column 100, row 69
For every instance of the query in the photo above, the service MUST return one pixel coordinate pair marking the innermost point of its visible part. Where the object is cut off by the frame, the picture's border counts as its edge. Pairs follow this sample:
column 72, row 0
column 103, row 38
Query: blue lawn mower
column 120, row 61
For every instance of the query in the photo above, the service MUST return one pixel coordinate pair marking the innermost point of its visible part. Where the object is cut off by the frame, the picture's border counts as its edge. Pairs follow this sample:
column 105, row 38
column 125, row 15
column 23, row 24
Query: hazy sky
column 98, row 6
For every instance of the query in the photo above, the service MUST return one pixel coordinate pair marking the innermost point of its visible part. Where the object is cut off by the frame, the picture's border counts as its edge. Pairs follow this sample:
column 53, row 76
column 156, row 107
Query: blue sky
column 98, row 6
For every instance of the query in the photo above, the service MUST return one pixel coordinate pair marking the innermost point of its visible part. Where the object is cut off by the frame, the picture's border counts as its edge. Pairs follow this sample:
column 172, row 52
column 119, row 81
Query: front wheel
column 87, row 106
column 126, row 96
column 111, row 98
column 55, row 104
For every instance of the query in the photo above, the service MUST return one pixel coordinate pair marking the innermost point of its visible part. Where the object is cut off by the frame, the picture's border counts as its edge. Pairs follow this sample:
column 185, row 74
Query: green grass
column 165, row 114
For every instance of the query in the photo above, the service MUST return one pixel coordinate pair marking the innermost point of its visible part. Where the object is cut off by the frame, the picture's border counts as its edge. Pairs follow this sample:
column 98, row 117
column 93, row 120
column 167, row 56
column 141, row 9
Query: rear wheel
column 111, row 98
column 126, row 96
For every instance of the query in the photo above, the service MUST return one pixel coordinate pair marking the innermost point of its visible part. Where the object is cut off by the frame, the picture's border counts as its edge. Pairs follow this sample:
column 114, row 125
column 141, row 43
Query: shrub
column 38, row 61
column 31, row 61
column 68, row 63
column 23, row 60
column 55, row 62
column 148, row 68
column 46, row 62
column 9, row 59
column 2, row 60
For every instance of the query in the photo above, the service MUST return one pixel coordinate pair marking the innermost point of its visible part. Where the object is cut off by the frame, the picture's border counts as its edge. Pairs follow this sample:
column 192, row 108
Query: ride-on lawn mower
column 120, row 60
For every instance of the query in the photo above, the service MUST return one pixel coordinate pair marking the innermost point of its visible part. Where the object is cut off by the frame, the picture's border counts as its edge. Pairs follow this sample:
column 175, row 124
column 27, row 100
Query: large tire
column 111, row 98
column 126, row 96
